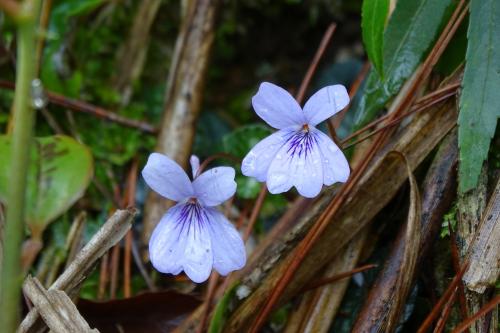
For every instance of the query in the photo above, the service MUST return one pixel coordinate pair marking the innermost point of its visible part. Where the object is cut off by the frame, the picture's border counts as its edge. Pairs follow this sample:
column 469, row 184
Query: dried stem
column 335, row 278
column 325, row 41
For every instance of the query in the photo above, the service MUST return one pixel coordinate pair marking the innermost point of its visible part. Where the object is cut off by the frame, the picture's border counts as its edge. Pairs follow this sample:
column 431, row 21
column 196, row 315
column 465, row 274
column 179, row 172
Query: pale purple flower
column 193, row 236
column 298, row 154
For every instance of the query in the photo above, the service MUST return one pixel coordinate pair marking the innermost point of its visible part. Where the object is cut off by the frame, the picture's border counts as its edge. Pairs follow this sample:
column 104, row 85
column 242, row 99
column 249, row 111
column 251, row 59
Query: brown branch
column 325, row 41
column 96, row 111
column 442, row 301
column 484, row 310
column 335, row 278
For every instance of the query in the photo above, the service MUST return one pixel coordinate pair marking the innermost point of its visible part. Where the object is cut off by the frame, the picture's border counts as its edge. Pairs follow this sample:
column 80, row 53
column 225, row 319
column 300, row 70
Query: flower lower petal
column 181, row 241
column 168, row 242
column 297, row 163
column 227, row 246
column 198, row 257
column 256, row 163
column 335, row 165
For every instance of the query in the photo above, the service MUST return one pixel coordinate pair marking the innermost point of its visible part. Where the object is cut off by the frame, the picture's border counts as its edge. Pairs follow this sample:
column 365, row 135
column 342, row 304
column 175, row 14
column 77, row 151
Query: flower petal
column 325, row 103
column 195, row 164
column 167, row 178
column 215, row 186
column 198, row 257
column 181, row 241
column 227, row 246
column 168, row 242
column 335, row 165
column 256, row 163
column 277, row 107
column 297, row 163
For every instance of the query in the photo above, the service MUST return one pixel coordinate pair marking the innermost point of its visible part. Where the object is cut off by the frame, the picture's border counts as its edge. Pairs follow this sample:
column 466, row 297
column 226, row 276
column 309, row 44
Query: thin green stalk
column 22, row 132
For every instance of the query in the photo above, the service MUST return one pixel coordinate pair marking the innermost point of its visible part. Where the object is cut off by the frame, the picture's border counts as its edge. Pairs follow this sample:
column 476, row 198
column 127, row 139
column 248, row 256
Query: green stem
column 22, row 132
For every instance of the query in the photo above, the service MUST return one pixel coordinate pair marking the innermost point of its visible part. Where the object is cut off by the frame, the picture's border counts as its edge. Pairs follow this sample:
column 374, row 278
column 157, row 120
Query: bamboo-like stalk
column 22, row 130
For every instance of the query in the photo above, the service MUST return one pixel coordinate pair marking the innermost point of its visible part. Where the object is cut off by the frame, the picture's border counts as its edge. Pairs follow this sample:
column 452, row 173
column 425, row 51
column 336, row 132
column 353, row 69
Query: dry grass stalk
column 69, row 281
column 56, row 308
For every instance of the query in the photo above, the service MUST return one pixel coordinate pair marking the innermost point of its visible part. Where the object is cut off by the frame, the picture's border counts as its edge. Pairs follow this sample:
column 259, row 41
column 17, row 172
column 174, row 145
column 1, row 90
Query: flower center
column 301, row 142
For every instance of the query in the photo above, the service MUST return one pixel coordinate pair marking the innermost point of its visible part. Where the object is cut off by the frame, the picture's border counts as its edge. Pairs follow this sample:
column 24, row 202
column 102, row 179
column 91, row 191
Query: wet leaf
column 149, row 312
column 411, row 30
column 373, row 18
column 60, row 171
column 479, row 101
column 240, row 141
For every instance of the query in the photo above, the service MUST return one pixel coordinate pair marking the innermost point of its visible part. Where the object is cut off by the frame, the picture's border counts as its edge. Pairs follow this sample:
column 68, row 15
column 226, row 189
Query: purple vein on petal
column 191, row 212
column 301, row 142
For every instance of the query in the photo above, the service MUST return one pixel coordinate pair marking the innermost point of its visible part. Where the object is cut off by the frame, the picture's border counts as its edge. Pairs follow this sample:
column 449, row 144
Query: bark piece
column 56, row 308
column 484, row 257
column 183, row 97
column 471, row 208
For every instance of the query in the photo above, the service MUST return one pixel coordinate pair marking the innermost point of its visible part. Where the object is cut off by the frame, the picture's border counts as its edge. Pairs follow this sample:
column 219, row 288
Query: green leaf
column 480, row 99
column 410, row 33
column 373, row 18
column 60, row 171
column 248, row 187
column 218, row 319
column 240, row 141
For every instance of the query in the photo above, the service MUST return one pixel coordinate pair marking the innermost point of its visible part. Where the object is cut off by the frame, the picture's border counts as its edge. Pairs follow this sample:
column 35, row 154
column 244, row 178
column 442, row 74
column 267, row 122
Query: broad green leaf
column 480, row 99
column 410, row 33
column 240, row 141
column 373, row 18
column 60, row 171
column 248, row 187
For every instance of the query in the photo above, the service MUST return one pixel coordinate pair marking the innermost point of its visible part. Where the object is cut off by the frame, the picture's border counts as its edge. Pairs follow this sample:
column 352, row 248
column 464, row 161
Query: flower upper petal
column 256, row 163
column 227, row 246
column 277, row 107
column 297, row 163
column 325, row 103
column 335, row 165
column 215, row 186
column 181, row 241
column 167, row 178
column 195, row 164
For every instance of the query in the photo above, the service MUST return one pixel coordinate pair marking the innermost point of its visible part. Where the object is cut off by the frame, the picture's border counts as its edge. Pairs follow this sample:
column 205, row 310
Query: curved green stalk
column 22, row 132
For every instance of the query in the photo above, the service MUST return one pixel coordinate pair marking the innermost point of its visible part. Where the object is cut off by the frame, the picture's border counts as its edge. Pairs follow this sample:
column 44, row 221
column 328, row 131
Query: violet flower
column 298, row 154
column 193, row 236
